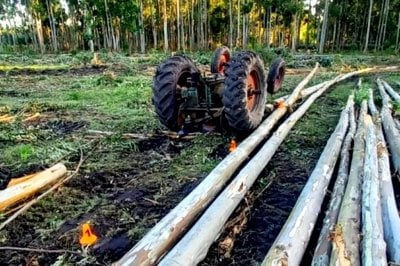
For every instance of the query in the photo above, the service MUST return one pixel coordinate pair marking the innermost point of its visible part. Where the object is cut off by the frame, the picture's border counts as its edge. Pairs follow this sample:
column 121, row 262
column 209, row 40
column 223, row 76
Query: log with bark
column 323, row 250
column 391, row 132
column 291, row 243
column 167, row 231
column 23, row 190
column 193, row 247
column 373, row 244
column 391, row 91
column 391, row 221
column 346, row 236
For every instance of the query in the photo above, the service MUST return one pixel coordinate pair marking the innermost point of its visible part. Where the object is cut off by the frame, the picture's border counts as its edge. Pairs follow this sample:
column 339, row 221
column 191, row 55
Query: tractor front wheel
column 244, row 94
column 170, row 77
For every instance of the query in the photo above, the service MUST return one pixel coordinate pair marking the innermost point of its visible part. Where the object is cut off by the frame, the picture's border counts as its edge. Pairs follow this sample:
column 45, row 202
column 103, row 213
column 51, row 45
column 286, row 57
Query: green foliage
column 361, row 94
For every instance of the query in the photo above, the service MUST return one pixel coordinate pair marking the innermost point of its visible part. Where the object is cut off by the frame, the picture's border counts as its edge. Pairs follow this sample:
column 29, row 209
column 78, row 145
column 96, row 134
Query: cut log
column 291, row 243
column 166, row 232
column 323, row 250
column 346, row 244
column 371, row 105
column 193, row 247
column 391, row 91
column 14, row 194
column 391, row 221
column 16, row 181
column 373, row 244
column 391, row 132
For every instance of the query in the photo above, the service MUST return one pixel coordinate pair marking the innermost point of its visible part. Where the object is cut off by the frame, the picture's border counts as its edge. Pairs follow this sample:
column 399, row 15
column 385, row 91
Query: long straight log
column 291, row 243
column 391, row 132
column 346, row 242
column 391, row 91
column 16, row 193
column 391, row 221
column 193, row 247
column 373, row 244
column 166, row 232
column 323, row 250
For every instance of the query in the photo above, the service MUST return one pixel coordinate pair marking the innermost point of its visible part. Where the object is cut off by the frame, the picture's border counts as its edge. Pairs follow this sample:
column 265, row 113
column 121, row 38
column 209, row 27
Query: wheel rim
column 253, row 90
column 223, row 59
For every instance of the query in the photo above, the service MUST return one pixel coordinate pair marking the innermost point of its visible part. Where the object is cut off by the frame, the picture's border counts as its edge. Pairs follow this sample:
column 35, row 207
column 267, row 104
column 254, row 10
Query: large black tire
column 220, row 59
column 171, row 74
column 244, row 110
column 276, row 75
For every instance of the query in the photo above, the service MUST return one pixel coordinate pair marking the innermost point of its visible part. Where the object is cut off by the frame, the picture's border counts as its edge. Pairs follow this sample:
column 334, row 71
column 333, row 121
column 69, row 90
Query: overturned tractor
column 233, row 96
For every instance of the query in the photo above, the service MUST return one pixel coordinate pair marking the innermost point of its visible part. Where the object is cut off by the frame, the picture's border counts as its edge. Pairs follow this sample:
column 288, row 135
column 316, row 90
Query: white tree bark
column 193, row 247
column 391, row 132
column 395, row 96
column 323, row 250
column 371, row 3
column 166, row 232
column 373, row 244
column 346, row 242
column 292, row 241
column 391, row 221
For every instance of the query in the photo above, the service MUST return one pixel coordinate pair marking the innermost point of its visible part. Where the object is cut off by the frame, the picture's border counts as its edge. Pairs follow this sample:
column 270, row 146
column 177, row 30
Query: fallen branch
column 373, row 245
column 391, row 132
column 391, row 91
column 40, row 250
column 16, row 181
column 323, row 250
column 391, row 221
column 16, row 193
column 291, row 243
column 44, row 194
column 140, row 136
column 348, row 223
column 166, row 232
column 193, row 247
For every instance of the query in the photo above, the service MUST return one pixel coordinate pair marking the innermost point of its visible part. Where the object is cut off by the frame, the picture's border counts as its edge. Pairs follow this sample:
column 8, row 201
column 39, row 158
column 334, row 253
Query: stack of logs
column 160, row 245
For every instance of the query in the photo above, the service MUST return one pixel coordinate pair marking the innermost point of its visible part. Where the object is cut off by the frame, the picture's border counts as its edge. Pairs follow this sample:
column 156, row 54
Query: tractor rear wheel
column 170, row 76
column 220, row 59
column 275, row 75
column 244, row 94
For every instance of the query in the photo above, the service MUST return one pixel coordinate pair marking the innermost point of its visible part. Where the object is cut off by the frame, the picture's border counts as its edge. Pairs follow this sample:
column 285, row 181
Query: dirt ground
column 126, row 185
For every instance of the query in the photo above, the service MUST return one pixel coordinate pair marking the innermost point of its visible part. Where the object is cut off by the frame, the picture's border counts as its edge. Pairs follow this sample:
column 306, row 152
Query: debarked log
column 323, row 250
column 346, row 236
column 291, row 243
column 18, row 192
column 373, row 244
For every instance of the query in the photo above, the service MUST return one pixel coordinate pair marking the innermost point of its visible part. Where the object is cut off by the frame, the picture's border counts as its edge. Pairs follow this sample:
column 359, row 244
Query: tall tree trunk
column 192, row 25
column 398, row 35
column 153, row 25
column 238, row 37
column 268, row 33
column 324, row 27
column 141, row 29
column 371, row 3
column 294, row 31
column 39, row 32
column 165, row 26
column 244, row 42
column 377, row 40
column 52, row 26
column 231, row 25
column 178, row 24
column 385, row 24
